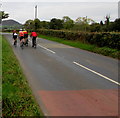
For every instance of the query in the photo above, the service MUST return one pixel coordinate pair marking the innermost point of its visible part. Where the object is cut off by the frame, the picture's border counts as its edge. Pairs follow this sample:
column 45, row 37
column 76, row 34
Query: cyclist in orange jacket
column 21, row 36
column 25, row 37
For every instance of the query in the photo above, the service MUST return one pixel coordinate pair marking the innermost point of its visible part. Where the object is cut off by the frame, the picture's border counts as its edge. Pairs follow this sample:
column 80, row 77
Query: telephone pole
column 36, row 12
column 119, row 9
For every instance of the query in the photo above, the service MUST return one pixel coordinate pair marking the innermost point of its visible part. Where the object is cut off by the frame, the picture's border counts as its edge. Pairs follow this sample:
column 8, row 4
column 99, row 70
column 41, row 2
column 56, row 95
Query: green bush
column 101, row 39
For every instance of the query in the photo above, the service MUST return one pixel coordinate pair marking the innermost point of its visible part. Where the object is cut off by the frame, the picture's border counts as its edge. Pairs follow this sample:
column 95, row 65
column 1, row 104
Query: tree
column 32, row 24
column 83, row 23
column 37, row 24
column 68, row 23
column 84, row 20
column 95, row 27
column 29, row 24
column 3, row 15
column 56, row 24
column 107, row 21
column 45, row 24
column 115, row 26
column 101, row 23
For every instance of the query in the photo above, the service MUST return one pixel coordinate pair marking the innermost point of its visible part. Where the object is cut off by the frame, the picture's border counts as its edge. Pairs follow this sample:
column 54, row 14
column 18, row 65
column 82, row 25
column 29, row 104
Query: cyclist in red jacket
column 34, row 36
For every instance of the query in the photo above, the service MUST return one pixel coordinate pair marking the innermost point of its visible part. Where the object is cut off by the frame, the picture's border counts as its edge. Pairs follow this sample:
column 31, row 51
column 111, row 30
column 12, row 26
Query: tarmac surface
column 67, row 81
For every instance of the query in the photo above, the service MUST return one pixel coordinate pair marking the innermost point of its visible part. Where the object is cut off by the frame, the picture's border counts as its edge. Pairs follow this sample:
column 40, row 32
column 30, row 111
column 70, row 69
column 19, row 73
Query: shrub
column 101, row 39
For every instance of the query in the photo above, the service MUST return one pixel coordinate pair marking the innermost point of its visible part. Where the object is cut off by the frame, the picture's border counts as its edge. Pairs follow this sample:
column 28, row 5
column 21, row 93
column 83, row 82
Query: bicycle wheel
column 15, row 43
column 22, row 45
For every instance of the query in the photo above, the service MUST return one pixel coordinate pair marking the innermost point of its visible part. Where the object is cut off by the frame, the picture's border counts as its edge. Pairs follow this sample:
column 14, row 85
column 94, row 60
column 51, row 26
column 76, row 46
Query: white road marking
column 45, row 48
column 96, row 73
column 83, row 66
column 30, row 41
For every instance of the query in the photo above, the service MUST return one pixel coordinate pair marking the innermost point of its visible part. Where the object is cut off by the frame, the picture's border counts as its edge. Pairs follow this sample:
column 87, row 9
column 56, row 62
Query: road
column 67, row 81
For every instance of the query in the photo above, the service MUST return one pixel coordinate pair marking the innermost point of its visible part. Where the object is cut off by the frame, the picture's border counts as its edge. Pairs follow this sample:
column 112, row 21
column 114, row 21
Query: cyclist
column 34, row 36
column 21, row 36
column 25, row 37
column 15, row 37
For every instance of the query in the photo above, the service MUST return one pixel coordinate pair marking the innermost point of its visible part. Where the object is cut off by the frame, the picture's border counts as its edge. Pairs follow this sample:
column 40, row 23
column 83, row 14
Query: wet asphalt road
column 68, row 81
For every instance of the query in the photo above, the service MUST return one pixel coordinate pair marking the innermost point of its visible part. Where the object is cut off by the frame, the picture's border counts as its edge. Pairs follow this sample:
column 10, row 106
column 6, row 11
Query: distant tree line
column 66, row 23
column 80, row 24
column 103, row 34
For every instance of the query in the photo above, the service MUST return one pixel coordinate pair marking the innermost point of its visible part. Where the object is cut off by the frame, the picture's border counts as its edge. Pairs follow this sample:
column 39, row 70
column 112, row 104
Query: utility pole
column 119, row 9
column 35, row 18
column 36, row 12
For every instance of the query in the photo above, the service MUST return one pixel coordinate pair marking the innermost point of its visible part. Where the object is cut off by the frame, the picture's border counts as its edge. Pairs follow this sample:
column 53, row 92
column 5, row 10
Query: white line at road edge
column 45, row 48
column 96, row 73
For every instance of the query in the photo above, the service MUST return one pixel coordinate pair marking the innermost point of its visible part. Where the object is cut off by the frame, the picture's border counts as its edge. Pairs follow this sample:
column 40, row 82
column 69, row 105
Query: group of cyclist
column 23, row 37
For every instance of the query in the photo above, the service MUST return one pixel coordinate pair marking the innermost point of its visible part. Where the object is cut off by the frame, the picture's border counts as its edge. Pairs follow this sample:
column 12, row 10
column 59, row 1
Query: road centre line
column 107, row 78
column 45, row 48
column 96, row 73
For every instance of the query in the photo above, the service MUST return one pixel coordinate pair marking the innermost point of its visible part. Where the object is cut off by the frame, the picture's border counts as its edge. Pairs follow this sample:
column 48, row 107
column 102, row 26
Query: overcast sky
column 22, row 11
column 60, row 0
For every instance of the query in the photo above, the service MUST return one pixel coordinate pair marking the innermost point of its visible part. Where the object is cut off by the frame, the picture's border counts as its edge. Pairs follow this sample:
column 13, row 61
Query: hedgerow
column 101, row 39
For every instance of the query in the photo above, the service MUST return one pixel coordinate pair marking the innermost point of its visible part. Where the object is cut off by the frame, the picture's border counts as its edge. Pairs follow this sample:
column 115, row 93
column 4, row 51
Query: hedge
column 101, row 39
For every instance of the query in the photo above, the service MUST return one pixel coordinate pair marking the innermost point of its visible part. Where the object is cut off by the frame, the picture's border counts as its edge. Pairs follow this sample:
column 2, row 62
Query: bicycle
column 22, row 44
column 26, row 42
column 34, row 42
column 15, row 38
column 15, row 42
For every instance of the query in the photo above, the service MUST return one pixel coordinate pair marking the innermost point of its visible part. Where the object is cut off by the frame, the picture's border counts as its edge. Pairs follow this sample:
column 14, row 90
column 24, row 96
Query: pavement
column 67, row 81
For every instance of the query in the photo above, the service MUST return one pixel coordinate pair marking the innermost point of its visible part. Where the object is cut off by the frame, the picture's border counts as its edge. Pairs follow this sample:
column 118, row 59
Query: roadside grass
column 85, row 46
column 17, row 98
column 0, row 75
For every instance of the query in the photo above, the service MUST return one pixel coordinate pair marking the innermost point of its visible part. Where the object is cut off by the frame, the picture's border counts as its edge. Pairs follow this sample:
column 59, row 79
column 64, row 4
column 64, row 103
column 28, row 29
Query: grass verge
column 17, row 96
column 0, row 76
column 89, row 47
